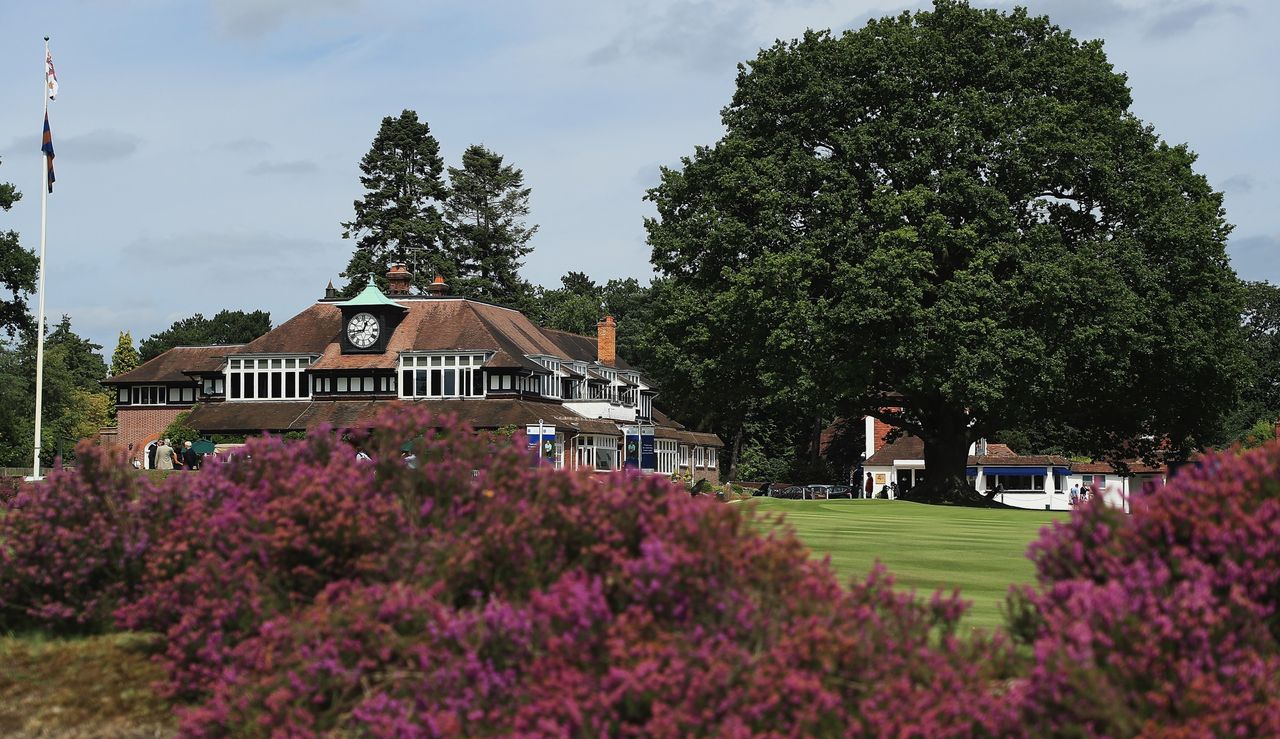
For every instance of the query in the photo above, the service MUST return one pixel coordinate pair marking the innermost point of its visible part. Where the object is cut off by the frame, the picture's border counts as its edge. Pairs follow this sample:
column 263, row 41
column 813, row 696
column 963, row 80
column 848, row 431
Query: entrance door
column 905, row 482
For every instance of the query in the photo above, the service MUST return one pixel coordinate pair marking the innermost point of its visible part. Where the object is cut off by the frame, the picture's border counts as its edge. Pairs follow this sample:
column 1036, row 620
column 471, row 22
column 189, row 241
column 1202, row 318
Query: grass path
column 980, row 551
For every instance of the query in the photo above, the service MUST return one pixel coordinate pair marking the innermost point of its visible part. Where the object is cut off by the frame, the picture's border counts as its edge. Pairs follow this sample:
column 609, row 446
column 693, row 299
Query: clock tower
column 368, row 320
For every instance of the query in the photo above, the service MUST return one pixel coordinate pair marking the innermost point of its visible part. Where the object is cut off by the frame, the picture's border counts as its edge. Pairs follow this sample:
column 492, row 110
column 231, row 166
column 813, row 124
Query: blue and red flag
column 47, row 148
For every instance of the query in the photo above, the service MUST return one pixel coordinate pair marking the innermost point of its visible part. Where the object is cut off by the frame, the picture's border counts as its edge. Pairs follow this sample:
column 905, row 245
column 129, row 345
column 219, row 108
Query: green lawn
column 980, row 551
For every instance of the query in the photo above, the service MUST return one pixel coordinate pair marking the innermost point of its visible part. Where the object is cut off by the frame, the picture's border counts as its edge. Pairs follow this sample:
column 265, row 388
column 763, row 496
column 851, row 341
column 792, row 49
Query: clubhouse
column 342, row 362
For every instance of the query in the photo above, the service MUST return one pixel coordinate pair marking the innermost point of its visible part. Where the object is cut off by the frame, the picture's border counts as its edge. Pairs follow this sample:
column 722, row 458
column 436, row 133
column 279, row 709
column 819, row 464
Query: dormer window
column 268, row 378
column 441, row 375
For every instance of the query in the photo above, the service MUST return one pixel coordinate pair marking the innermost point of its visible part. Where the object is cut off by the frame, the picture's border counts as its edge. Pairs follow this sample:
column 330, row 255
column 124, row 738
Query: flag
column 47, row 148
column 50, row 77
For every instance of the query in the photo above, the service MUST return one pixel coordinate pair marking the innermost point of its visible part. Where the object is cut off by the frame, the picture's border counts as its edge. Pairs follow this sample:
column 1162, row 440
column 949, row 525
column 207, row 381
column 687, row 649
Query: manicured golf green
column 980, row 551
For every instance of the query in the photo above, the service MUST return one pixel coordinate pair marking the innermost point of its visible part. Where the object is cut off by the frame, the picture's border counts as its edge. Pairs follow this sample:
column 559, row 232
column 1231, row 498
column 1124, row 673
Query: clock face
column 362, row 330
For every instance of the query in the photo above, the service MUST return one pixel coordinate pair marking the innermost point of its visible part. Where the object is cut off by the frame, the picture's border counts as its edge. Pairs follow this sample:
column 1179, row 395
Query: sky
column 207, row 150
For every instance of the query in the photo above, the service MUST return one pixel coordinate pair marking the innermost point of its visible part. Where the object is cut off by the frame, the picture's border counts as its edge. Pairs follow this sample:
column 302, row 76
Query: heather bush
column 305, row 592
column 73, row 547
column 1163, row 622
column 393, row 660
column 260, row 537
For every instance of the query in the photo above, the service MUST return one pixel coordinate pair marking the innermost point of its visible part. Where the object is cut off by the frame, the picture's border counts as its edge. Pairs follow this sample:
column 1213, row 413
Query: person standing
column 189, row 456
column 164, row 456
column 869, row 488
column 893, row 490
column 1075, row 494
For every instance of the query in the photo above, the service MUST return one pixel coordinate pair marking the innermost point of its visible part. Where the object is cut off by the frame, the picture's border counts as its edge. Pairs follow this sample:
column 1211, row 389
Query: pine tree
column 485, row 213
column 125, row 357
column 398, row 221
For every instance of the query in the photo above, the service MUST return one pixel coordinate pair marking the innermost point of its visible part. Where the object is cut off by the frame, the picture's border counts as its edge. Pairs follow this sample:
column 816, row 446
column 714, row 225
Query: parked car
column 841, row 491
column 795, row 492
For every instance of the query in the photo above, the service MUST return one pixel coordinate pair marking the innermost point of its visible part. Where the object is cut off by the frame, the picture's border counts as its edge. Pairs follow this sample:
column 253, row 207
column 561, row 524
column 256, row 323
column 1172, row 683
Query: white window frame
column 431, row 372
column 699, row 457
column 666, row 451
column 547, row 386
column 593, row 449
column 711, row 458
column 140, row 395
column 249, row 370
column 682, row 456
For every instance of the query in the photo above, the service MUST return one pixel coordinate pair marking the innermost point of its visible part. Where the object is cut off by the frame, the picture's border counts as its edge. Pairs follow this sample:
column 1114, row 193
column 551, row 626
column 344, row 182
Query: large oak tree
column 955, row 213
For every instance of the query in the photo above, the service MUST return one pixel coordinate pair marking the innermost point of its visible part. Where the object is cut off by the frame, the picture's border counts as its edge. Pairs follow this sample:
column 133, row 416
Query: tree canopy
column 951, row 220
column 18, row 268
column 398, row 221
column 75, row 404
column 227, row 327
column 485, row 213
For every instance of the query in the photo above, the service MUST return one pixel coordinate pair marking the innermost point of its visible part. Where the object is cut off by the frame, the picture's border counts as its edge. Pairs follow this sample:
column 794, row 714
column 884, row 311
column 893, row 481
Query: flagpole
column 44, row 201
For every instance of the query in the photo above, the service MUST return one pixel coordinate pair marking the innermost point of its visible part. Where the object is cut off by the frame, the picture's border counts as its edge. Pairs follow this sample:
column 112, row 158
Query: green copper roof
column 368, row 297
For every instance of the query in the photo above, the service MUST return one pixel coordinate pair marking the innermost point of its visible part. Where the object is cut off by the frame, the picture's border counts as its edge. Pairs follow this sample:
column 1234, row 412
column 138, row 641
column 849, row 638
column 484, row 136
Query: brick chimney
column 398, row 280
column 606, row 341
column 438, row 287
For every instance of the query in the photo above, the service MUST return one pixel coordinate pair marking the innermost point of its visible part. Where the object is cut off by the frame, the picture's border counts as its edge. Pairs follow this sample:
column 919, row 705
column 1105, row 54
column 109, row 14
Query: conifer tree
column 398, row 221
column 125, row 357
column 485, row 213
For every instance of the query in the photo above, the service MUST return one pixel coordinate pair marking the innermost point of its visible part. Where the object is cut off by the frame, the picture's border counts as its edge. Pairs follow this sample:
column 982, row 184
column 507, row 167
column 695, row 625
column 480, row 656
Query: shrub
column 304, row 592
column 1164, row 621
column 257, row 538
column 73, row 547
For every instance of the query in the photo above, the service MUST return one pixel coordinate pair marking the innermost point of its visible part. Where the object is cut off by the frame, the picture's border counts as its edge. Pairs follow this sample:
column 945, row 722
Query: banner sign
column 542, row 439
column 638, row 448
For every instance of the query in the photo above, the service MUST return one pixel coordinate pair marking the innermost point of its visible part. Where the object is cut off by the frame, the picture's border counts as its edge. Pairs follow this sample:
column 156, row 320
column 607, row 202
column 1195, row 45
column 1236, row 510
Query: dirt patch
column 98, row 686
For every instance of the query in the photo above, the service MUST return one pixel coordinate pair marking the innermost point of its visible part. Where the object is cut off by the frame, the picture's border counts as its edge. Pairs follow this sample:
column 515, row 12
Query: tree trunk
column 946, row 454
column 735, row 451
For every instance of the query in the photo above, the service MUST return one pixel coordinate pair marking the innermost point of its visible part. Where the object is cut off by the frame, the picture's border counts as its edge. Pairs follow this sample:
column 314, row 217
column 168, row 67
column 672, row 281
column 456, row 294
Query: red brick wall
column 140, row 426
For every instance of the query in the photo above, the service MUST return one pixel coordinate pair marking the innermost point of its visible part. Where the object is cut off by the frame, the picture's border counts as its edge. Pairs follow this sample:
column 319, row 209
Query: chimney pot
column 438, row 287
column 606, row 341
column 398, row 280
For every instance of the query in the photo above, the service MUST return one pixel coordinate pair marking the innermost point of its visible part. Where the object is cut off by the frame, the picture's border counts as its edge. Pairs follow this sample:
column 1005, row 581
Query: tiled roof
column 429, row 324
column 581, row 348
column 172, row 365
column 904, row 447
column 663, row 419
column 504, row 360
column 696, row 438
